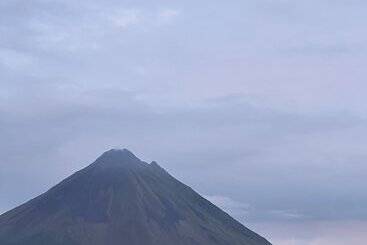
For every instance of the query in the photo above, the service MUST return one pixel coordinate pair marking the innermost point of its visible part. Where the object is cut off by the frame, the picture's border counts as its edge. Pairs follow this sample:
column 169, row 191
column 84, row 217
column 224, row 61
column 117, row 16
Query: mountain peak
column 117, row 157
column 120, row 152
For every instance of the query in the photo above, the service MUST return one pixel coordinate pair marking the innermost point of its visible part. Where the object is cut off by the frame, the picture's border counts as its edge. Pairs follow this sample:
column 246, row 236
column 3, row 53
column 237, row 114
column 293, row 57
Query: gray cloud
column 255, row 154
column 315, row 233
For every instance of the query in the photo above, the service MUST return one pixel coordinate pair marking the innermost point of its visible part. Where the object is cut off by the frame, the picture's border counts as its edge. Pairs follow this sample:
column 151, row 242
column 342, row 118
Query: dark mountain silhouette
column 121, row 200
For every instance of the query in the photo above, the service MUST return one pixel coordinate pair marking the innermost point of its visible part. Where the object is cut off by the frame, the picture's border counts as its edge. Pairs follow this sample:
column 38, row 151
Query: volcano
column 121, row 200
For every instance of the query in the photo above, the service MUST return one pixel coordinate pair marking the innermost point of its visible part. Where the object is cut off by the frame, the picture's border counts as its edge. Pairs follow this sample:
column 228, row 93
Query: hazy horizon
column 257, row 105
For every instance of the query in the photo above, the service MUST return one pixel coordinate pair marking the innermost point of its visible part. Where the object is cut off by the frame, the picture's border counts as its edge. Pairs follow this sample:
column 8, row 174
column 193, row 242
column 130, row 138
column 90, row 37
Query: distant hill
column 121, row 200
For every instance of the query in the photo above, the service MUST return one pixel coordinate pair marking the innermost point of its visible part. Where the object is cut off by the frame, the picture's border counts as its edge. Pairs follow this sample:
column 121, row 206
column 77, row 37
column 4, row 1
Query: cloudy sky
column 258, row 105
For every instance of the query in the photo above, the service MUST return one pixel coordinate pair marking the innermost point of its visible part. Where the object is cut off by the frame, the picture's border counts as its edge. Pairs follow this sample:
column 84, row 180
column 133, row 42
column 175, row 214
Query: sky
column 260, row 105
